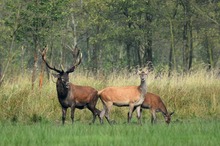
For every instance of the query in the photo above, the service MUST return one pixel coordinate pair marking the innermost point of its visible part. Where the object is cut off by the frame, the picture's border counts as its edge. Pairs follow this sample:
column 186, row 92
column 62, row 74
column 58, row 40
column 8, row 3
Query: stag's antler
column 78, row 61
column 43, row 54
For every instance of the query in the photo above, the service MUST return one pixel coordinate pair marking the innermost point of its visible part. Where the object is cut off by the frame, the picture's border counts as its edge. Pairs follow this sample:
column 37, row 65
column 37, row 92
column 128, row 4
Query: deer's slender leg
column 132, row 112
column 72, row 113
column 131, row 107
column 63, row 114
column 102, row 114
column 139, row 110
column 98, row 112
column 153, row 117
column 107, row 113
column 92, row 109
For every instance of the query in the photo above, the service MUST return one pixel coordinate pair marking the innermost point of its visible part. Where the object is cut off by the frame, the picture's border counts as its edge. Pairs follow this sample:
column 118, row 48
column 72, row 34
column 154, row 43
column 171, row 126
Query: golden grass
column 192, row 95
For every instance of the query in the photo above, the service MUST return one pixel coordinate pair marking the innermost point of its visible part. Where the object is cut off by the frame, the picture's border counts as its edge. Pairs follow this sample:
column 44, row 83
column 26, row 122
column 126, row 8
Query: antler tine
column 61, row 66
column 79, row 59
column 70, row 48
column 43, row 54
column 78, row 53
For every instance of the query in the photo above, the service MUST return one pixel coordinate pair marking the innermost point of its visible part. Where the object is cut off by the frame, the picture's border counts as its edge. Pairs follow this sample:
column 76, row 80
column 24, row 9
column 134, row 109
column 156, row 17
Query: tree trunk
column 73, row 26
column 209, row 52
column 172, row 60
column 1, row 76
column 41, row 75
column 22, row 60
column 172, row 56
column 191, row 44
column 148, row 56
column 95, row 55
column 128, row 52
column 34, row 69
column 139, row 55
column 185, row 4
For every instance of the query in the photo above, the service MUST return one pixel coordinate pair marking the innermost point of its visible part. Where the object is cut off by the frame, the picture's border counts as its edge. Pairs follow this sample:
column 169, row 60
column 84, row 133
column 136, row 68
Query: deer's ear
column 171, row 113
column 55, row 75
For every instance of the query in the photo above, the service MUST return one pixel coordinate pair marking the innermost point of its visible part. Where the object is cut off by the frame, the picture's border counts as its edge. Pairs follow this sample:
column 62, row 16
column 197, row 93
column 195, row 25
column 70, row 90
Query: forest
column 113, row 35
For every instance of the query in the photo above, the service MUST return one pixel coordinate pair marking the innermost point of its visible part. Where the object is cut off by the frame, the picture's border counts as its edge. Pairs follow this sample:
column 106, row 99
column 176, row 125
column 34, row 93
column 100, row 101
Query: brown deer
column 131, row 96
column 155, row 104
column 73, row 96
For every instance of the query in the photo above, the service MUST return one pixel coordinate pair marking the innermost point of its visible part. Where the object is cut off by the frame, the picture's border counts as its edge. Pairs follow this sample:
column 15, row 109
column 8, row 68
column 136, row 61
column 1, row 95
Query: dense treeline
column 172, row 35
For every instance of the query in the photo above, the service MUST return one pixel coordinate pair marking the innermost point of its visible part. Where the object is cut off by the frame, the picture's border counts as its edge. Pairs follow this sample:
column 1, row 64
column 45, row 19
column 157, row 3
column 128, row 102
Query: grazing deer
column 131, row 96
column 155, row 104
column 73, row 96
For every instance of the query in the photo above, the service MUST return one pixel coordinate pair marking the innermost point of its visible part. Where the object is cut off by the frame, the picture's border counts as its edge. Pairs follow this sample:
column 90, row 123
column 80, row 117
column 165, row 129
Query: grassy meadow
column 33, row 117
column 187, row 133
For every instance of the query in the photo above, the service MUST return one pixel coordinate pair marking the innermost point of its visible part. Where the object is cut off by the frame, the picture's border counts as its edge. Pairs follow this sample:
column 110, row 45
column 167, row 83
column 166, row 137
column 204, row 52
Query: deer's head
column 167, row 117
column 143, row 75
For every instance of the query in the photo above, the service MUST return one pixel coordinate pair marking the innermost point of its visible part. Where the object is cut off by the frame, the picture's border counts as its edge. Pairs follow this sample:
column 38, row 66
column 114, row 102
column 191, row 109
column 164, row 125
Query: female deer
column 155, row 104
column 131, row 96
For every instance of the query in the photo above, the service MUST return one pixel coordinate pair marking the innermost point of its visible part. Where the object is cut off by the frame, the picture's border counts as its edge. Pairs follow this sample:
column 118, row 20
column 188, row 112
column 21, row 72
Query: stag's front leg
column 131, row 106
column 63, row 114
column 72, row 113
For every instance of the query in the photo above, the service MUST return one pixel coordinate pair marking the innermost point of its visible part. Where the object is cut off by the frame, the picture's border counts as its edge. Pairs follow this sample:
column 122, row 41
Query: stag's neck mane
column 62, row 90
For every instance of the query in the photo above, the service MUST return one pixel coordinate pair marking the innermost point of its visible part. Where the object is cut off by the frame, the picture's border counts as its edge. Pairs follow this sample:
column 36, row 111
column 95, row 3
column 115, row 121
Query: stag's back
column 82, row 93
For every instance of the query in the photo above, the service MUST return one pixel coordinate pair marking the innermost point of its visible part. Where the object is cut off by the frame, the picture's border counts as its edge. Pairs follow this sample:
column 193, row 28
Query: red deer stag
column 73, row 96
column 131, row 96
column 155, row 104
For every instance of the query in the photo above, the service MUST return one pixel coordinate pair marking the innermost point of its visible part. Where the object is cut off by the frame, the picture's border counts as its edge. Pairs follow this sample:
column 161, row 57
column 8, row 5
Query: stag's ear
column 56, row 75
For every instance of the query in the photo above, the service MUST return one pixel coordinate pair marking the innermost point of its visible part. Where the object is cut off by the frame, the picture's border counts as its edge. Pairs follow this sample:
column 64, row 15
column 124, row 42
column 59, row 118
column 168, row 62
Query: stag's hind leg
column 95, row 112
column 72, row 113
column 93, row 109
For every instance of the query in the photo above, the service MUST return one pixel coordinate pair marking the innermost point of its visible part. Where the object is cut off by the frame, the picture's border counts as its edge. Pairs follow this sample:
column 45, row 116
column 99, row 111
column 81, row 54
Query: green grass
column 194, row 132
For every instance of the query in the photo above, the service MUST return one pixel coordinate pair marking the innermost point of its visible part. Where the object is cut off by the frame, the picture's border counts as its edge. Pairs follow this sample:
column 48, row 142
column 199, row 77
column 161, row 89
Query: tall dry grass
column 195, row 95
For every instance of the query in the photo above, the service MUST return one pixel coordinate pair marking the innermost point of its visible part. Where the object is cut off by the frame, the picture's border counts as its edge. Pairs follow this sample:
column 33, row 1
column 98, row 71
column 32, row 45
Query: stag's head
column 62, row 76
